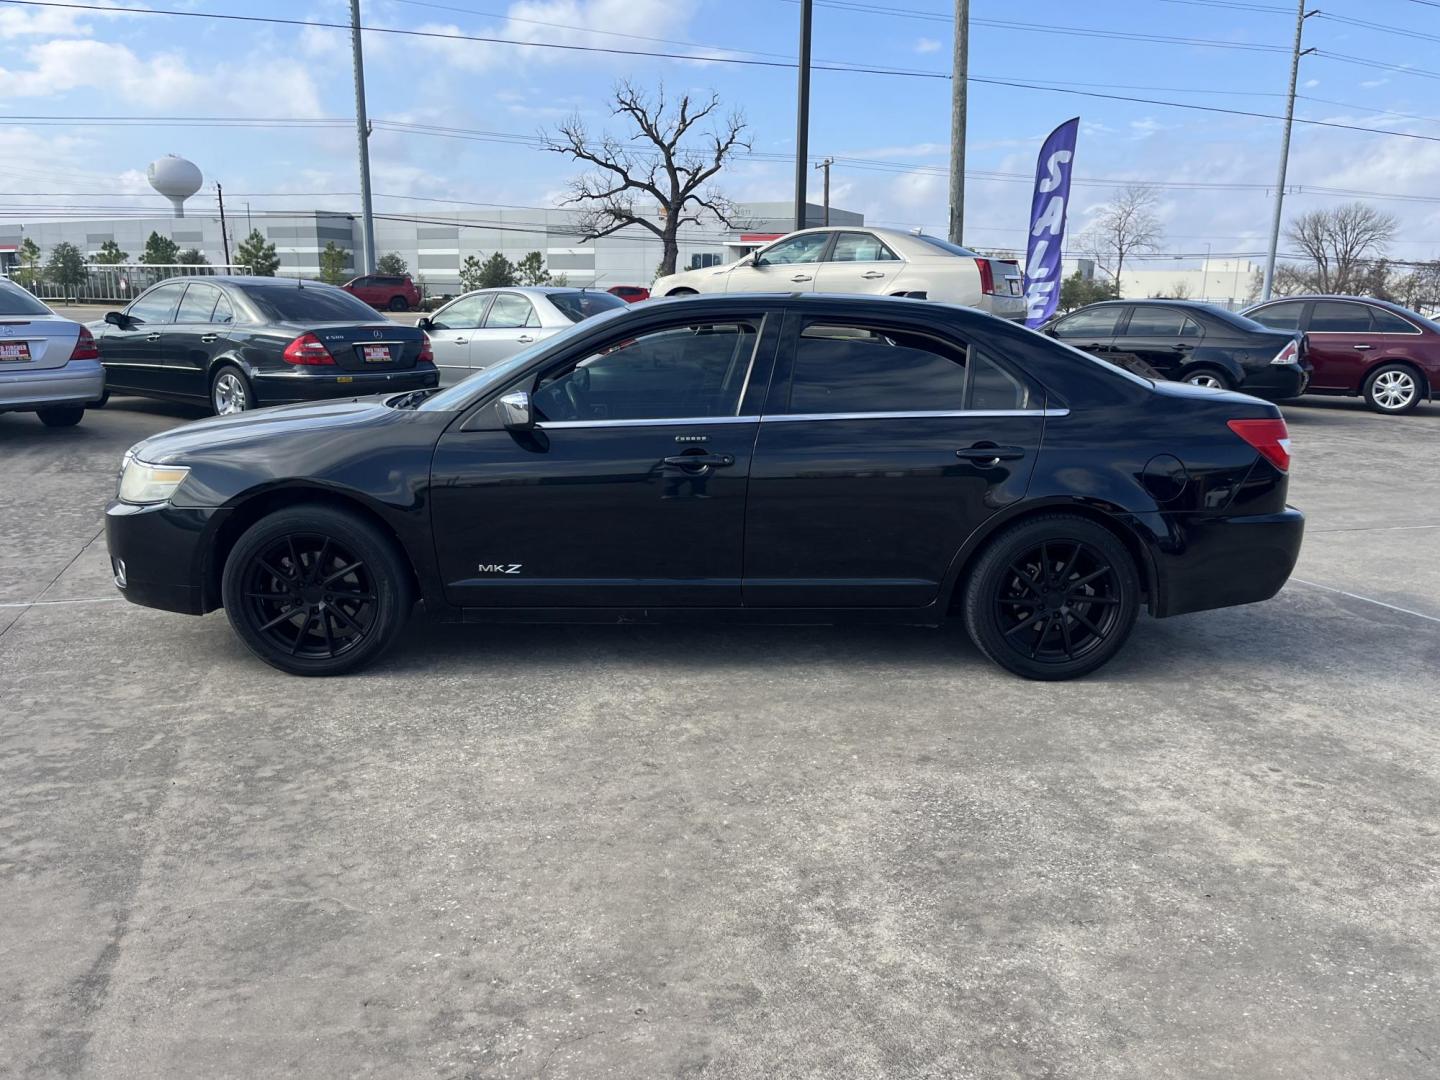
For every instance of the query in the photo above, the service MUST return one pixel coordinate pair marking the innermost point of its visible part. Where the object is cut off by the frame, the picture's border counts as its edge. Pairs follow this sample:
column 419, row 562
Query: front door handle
column 873, row 274
column 209, row 339
column 687, row 461
column 152, row 337
column 1362, row 348
column 460, row 341
column 801, row 277
column 524, row 339
column 990, row 453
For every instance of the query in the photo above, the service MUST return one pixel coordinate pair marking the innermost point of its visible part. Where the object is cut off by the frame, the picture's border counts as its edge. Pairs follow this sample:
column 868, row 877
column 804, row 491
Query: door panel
column 191, row 341
column 858, row 263
column 510, row 326
column 1162, row 338
column 451, row 330
column 134, row 356
column 1340, row 344
column 788, row 265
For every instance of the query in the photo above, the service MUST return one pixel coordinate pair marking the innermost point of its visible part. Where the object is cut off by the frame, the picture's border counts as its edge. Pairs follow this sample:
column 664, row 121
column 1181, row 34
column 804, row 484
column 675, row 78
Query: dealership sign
column 1047, row 223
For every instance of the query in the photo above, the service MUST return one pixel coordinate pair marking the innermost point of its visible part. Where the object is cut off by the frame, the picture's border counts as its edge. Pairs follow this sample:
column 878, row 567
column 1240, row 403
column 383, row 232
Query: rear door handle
column 209, row 339
column 152, row 337
column 460, row 341
column 801, row 277
column 524, row 339
column 691, row 460
column 991, row 453
column 872, row 274
column 1362, row 348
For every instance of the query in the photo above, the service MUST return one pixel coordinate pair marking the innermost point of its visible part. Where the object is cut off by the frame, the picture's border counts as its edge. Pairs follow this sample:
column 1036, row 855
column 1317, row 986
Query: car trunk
column 1005, row 273
column 387, row 347
column 35, row 344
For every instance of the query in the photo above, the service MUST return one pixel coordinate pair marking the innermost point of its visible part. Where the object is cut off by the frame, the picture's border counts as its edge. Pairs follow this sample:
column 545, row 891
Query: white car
column 855, row 259
column 486, row 326
column 49, row 365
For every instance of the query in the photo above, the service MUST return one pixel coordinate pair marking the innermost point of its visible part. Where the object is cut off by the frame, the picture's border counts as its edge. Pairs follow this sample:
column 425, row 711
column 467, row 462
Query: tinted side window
column 576, row 306
column 198, row 305
column 860, row 247
column 678, row 372
column 1147, row 321
column 1337, row 317
column 843, row 369
column 1092, row 323
column 511, row 311
column 156, row 306
column 1284, row 316
column 224, row 313
column 797, row 249
column 1387, row 322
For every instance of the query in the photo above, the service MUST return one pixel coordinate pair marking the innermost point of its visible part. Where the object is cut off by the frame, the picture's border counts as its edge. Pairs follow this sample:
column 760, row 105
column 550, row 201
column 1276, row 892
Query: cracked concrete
column 633, row 852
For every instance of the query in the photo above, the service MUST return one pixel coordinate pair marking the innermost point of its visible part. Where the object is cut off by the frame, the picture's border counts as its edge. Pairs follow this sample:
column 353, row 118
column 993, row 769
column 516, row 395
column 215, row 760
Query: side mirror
column 424, row 323
column 117, row 318
column 515, row 411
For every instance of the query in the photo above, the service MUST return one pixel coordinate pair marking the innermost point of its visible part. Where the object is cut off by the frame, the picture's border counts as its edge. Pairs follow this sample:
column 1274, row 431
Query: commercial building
column 433, row 245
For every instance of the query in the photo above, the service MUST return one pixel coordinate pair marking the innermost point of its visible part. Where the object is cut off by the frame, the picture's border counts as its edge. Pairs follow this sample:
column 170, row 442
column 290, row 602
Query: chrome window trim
column 928, row 414
column 1370, row 308
column 688, row 421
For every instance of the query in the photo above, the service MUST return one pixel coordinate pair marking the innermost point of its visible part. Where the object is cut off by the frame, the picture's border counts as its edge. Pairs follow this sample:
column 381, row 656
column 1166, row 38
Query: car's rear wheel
column 1211, row 377
column 62, row 415
column 398, row 303
column 316, row 591
column 1392, row 388
column 230, row 391
column 681, row 292
column 1054, row 597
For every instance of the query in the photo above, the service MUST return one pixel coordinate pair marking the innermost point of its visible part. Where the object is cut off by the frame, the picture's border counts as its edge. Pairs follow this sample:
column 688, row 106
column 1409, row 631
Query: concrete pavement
column 742, row 853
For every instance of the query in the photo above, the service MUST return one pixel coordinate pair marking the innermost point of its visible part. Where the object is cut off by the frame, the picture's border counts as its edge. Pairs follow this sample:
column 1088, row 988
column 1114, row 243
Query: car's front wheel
column 398, row 303
column 316, row 591
column 62, row 415
column 1393, row 388
column 1054, row 597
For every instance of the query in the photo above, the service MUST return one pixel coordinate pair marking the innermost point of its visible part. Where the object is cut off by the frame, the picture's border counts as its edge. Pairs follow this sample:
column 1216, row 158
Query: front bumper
column 78, row 382
column 1214, row 561
column 291, row 388
column 159, row 555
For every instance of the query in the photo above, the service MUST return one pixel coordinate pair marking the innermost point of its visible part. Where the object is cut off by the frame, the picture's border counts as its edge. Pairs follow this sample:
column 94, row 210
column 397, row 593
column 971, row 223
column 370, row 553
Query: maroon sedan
column 1382, row 351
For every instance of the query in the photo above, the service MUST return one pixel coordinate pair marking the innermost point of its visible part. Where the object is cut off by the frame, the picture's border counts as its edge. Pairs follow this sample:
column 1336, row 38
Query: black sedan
column 242, row 342
column 777, row 458
column 1191, row 342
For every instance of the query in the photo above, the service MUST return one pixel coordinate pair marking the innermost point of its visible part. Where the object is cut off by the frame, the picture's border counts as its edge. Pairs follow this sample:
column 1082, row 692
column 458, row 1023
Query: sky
column 891, row 131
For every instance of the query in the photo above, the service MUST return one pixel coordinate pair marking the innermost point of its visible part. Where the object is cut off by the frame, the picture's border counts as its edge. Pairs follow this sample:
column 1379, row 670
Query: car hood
column 314, row 421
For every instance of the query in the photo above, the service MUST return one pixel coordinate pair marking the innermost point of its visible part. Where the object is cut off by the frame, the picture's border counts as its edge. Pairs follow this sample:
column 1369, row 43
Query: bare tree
column 1128, row 225
column 1419, row 290
column 1339, row 242
column 651, row 164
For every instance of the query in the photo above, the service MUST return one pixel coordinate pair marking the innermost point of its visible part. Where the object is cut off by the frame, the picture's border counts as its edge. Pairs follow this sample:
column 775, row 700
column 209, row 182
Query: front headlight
column 142, row 483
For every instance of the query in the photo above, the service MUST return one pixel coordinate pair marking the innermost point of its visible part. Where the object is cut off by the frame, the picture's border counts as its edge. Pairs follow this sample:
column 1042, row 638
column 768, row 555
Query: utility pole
column 959, row 82
column 802, row 116
column 224, row 236
column 1300, row 16
column 826, row 166
column 362, row 129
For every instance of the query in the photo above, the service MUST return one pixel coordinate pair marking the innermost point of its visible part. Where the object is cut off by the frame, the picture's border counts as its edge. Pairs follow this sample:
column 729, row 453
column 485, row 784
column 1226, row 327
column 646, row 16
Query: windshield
column 312, row 303
column 16, row 301
column 946, row 246
column 581, row 305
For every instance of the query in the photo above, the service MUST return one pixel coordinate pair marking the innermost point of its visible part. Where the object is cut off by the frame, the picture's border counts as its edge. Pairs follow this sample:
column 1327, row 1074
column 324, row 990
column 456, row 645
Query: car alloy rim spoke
column 309, row 596
column 1065, row 611
column 1025, row 579
column 1025, row 624
column 1094, row 575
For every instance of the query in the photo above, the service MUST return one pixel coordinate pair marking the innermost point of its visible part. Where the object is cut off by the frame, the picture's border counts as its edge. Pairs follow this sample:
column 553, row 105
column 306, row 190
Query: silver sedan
column 486, row 326
column 48, row 364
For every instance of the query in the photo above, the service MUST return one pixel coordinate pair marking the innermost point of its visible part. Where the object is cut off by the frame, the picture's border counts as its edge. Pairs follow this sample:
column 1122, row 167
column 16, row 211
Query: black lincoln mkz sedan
column 782, row 458
column 243, row 342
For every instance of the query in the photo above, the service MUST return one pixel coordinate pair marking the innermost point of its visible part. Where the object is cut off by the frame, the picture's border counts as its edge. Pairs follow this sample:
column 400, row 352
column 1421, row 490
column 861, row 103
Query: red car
column 631, row 294
column 1382, row 351
column 393, row 292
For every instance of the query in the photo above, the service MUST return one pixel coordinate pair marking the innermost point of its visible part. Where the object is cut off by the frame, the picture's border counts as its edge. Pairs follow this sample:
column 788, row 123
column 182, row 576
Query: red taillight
column 427, row 355
column 1270, row 437
column 1290, row 354
column 987, row 276
column 309, row 351
column 85, row 346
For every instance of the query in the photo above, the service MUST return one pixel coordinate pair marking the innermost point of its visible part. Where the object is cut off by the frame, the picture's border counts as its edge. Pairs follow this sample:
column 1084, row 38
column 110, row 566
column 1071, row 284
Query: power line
column 1406, row 31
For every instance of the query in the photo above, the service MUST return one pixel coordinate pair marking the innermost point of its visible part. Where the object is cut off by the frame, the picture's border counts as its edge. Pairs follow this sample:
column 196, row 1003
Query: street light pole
column 362, row 129
column 1300, row 16
column 959, row 82
column 802, row 116
column 825, row 165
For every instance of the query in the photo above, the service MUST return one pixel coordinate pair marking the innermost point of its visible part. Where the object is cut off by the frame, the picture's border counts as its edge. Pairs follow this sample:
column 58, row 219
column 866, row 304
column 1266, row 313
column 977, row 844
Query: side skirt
column 931, row 615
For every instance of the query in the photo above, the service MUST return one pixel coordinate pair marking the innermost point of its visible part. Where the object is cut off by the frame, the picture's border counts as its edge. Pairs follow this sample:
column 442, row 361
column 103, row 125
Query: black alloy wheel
column 1053, row 598
column 315, row 591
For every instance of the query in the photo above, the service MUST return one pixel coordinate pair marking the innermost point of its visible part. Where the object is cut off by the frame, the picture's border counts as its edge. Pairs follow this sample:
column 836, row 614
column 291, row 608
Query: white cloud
column 1370, row 84
column 928, row 45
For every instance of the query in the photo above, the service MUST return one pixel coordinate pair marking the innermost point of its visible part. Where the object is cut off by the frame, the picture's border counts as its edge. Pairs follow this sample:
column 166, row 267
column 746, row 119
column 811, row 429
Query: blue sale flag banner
column 1047, row 223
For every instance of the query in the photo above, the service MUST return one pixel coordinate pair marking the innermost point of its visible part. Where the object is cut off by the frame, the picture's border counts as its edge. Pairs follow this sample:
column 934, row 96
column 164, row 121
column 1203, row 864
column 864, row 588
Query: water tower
column 176, row 179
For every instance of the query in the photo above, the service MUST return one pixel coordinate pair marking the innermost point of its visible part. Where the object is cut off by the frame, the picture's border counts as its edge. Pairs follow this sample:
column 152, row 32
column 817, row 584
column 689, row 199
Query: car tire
column 1207, row 376
column 100, row 404
column 1053, row 597
column 682, row 292
column 61, row 415
column 398, row 303
column 1393, row 389
column 230, row 391
column 316, row 591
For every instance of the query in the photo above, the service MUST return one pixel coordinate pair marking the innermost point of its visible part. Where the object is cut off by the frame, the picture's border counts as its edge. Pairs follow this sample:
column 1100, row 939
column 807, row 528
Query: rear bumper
column 1215, row 561
column 78, row 382
column 1276, row 382
column 158, row 554
column 287, row 388
column 1005, row 307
